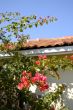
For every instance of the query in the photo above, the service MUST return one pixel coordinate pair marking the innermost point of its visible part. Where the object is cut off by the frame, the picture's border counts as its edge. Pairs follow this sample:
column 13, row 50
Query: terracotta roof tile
column 67, row 40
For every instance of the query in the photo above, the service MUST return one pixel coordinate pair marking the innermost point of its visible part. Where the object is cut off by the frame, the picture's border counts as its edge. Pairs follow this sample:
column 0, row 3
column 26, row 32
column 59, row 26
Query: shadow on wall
column 67, row 79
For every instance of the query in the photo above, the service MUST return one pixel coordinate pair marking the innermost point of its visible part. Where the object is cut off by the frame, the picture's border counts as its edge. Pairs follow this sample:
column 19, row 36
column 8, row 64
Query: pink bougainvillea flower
column 46, row 86
column 71, row 57
column 43, row 87
column 29, row 75
column 37, row 74
column 34, row 79
column 24, row 72
column 41, row 81
column 38, row 79
column 23, row 79
column 26, row 84
column 37, row 62
column 43, row 78
column 42, row 56
column 20, row 86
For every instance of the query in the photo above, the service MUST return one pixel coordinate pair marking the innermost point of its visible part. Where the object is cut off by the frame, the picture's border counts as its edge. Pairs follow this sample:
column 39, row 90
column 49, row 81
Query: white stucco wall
column 66, row 78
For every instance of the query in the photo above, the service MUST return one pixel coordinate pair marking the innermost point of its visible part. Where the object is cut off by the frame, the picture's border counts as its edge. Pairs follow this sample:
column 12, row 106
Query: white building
column 56, row 46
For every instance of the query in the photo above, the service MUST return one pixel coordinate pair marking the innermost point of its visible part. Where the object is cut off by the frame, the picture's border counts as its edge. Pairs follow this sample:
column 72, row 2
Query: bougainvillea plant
column 13, row 26
column 27, row 79
column 39, row 79
column 42, row 67
column 18, row 72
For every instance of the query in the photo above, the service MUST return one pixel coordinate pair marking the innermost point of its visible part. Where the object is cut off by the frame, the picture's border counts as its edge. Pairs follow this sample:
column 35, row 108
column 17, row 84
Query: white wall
column 66, row 78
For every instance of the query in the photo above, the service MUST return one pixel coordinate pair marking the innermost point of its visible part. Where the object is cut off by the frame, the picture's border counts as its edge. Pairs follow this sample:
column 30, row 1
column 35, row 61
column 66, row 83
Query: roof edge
column 48, row 51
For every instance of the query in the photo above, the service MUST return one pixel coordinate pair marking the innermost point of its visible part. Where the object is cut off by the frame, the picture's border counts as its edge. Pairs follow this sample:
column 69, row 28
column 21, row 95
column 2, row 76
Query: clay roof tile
column 67, row 40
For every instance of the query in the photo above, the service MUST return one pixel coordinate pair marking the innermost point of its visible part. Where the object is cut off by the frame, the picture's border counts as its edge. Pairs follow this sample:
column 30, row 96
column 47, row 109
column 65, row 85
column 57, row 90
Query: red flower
column 43, row 87
column 46, row 86
column 23, row 79
column 24, row 73
column 42, row 56
column 39, row 79
column 20, row 86
column 37, row 62
column 25, row 82
column 34, row 80
column 29, row 74
column 71, row 57
column 37, row 74
column 43, row 78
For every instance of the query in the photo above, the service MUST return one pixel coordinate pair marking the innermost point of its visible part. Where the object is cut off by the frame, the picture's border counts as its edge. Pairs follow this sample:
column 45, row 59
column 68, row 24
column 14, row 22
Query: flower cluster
column 42, row 57
column 38, row 79
column 24, row 81
column 69, row 57
column 41, row 81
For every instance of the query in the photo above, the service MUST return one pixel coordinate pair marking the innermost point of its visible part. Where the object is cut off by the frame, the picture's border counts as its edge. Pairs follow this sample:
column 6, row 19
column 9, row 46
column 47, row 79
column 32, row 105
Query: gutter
column 44, row 51
column 48, row 51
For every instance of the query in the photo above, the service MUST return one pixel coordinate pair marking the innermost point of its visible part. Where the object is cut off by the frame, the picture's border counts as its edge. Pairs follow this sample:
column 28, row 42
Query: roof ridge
column 60, row 38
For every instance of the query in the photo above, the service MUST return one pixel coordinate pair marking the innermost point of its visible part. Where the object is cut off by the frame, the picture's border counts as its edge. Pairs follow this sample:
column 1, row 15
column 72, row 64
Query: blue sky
column 62, row 9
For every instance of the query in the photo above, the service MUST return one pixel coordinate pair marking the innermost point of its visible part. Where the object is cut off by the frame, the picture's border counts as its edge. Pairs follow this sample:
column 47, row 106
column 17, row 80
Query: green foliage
column 8, row 16
column 15, row 24
column 44, row 102
column 10, row 74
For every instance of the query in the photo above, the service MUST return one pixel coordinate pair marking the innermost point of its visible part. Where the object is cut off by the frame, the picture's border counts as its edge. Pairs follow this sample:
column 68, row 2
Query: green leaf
column 36, row 24
column 21, row 30
column 30, row 25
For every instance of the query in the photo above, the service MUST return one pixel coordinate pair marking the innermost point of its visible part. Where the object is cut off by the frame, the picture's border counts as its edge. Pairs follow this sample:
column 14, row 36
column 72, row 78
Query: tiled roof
column 40, row 43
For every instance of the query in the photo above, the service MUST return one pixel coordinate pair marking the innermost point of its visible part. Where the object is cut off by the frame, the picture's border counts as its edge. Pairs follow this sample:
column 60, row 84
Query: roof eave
column 44, row 51
column 48, row 51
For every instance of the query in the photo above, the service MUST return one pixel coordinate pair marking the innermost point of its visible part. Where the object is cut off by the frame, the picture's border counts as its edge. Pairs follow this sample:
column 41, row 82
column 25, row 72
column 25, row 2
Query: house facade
column 56, row 46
